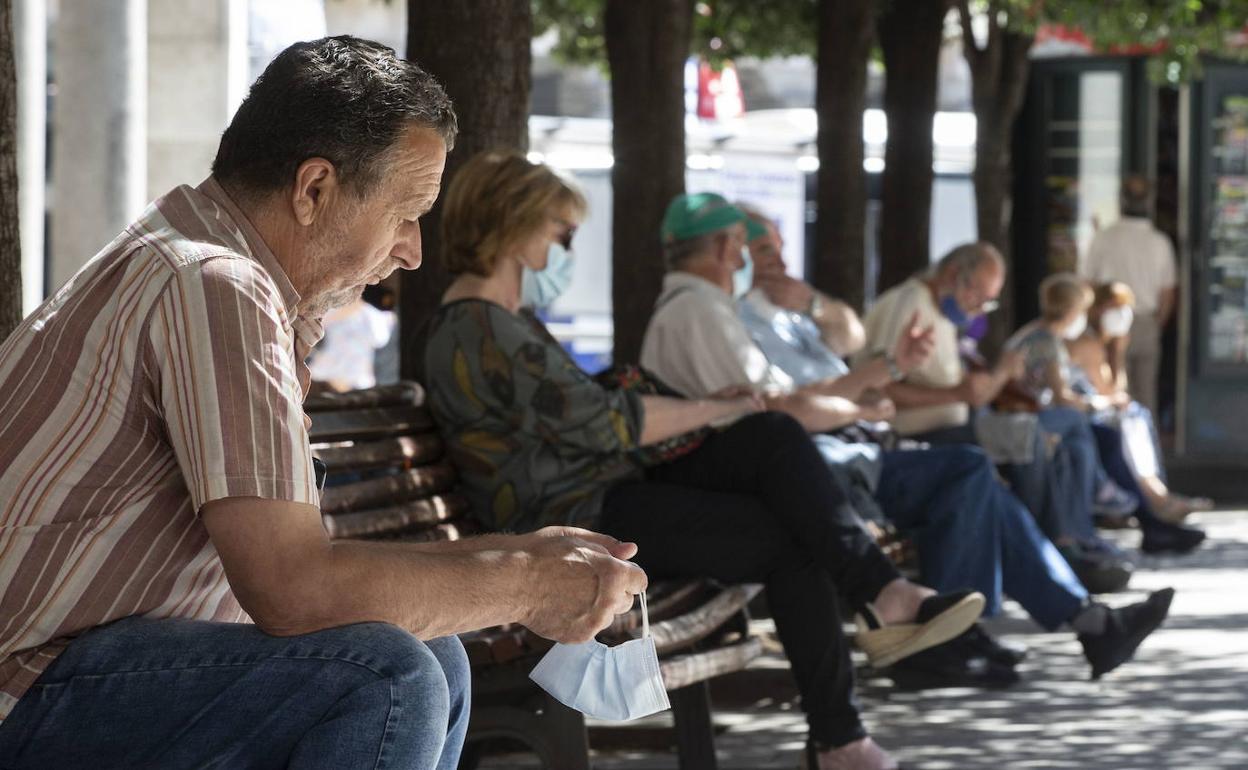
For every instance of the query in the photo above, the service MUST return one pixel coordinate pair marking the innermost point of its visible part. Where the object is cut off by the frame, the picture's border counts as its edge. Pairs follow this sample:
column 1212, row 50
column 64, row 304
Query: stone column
column 30, row 39
column 197, row 75
column 99, row 153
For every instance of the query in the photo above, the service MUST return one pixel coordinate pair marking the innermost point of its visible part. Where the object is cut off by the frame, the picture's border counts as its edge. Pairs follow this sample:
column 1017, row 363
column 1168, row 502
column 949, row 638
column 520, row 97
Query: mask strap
column 645, row 617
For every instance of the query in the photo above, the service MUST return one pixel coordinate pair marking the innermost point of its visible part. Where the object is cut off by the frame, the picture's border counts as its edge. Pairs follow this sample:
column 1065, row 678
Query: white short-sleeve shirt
column 943, row 369
column 697, row 344
column 1134, row 252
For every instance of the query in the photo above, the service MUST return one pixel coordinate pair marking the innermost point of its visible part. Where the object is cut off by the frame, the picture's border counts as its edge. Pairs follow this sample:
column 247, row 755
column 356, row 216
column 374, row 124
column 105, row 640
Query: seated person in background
column 835, row 325
column 969, row 529
column 537, row 441
column 1049, row 459
column 1109, row 323
column 1064, row 302
column 344, row 358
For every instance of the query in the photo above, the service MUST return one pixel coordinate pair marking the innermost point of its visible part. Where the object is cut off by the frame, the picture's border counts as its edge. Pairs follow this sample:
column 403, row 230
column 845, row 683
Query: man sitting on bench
column 157, row 487
column 969, row 530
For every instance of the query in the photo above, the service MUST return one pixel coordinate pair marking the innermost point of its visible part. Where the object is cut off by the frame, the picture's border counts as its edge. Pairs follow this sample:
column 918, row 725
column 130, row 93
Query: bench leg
column 695, row 737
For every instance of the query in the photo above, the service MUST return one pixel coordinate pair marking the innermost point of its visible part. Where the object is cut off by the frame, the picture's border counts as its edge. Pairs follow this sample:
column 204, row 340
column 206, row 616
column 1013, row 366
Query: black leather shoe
column 1171, row 538
column 1001, row 652
column 952, row 664
column 1125, row 628
column 1101, row 572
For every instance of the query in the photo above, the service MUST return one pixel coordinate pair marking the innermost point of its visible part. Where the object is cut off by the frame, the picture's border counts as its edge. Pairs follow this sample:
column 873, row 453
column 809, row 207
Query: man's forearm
column 872, row 374
column 429, row 589
column 1166, row 301
column 817, row 413
column 910, row 396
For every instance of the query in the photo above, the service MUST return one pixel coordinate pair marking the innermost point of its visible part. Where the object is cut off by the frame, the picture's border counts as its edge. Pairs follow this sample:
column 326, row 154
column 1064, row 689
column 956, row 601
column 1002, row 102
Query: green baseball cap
column 689, row 216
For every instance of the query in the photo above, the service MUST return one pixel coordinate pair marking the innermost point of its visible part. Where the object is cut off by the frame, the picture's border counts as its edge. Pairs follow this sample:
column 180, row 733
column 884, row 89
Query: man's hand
column 980, row 388
column 580, row 582
column 787, row 292
column 876, row 407
column 914, row 345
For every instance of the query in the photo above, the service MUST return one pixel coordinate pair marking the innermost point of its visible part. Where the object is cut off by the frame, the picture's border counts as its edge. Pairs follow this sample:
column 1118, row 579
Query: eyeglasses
column 981, row 306
column 569, row 232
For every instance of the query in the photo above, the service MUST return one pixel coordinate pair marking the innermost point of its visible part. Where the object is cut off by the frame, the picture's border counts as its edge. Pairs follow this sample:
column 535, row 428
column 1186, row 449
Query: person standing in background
column 1134, row 252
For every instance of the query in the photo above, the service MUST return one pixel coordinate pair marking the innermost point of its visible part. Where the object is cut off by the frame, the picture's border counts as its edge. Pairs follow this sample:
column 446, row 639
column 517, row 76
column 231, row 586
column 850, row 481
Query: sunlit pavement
column 1182, row 704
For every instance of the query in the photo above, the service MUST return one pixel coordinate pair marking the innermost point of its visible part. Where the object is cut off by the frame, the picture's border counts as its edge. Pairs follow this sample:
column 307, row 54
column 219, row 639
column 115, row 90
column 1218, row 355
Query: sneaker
column 1171, row 538
column 996, row 650
column 1125, row 628
column 1114, row 501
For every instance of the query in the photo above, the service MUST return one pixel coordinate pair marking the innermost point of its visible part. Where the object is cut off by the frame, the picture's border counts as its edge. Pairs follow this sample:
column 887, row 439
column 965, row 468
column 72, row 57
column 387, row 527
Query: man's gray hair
column 754, row 213
column 965, row 259
column 679, row 253
column 340, row 98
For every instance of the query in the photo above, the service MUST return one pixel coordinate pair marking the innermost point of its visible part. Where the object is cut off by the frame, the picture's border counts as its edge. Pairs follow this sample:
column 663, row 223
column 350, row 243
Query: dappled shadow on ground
column 1182, row 704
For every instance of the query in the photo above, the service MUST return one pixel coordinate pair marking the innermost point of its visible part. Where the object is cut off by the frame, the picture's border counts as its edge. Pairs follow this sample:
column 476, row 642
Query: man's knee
column 453, row 659
column 417, row 674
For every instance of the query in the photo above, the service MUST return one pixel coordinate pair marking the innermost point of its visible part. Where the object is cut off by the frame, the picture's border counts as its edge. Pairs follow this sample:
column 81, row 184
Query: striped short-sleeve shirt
column 165, row 374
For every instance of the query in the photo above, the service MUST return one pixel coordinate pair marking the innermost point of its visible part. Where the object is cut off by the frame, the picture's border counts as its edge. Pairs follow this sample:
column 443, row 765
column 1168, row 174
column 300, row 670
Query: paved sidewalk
column 1182, row 704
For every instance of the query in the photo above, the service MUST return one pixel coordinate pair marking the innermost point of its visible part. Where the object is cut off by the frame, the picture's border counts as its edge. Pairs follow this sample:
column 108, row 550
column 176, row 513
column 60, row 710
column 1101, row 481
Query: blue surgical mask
column 743, row 278
column 617, row 683
column 953, row 311
column 540, row 288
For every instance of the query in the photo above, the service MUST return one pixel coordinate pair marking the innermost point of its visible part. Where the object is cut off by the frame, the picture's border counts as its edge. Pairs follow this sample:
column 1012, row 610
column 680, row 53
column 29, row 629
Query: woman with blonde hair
column 1100, row 376
column 744, row 498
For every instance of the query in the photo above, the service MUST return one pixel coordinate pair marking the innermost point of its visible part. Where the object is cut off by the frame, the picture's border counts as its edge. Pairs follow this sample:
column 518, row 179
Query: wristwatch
column 815, row 308
column 894, row 371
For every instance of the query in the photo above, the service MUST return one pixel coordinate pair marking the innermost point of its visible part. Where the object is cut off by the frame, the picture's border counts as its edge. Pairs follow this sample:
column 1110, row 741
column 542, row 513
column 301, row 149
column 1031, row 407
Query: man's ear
column 316, row 186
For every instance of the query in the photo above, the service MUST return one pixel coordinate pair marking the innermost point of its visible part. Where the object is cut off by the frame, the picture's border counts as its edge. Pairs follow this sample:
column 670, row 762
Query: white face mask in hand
column 617, row 683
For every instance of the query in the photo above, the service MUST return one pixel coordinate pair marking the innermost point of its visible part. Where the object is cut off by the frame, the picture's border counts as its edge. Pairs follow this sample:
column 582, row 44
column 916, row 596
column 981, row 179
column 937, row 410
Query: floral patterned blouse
column 535, row 440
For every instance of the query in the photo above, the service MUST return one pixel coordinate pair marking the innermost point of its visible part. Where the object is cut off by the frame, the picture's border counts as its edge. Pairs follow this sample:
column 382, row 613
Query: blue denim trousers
column 142, row 693
column 1056, row 487
column 972, row 533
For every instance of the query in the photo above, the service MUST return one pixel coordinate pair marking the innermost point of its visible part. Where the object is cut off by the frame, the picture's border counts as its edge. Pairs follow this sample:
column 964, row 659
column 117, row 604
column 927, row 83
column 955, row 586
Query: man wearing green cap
column 704, row 239
column 697, row 343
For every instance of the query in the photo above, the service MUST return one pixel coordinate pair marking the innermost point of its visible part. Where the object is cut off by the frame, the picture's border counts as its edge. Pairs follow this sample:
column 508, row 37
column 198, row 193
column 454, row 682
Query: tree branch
column 969, row 47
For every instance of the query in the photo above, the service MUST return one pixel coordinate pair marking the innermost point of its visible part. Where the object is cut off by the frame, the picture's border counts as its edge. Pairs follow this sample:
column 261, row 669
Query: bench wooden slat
column 425, row 481
column 665, row 599
column 396, row 519
column 371, row 423
column 399, row 394
column 683, row 670
column 399, row 452
column 681, row 632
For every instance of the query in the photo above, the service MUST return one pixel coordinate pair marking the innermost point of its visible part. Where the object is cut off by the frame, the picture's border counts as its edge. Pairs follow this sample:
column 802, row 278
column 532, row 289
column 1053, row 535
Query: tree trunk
column 845, row 32
column 910, row 34
column 998, row 83
column 647, row 45
column 10, row 232
column 479, row 51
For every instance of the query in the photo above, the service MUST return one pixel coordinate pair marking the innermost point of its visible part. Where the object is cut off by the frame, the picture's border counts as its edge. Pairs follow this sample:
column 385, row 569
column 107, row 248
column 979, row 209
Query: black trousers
column 755, row 503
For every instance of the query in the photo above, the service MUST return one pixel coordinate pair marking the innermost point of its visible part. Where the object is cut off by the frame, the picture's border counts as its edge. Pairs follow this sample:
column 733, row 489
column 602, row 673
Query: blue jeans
column 1114, row 459
column 972, row 533
column 1057, row 489
column 142, row 693
column 1076, row 464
